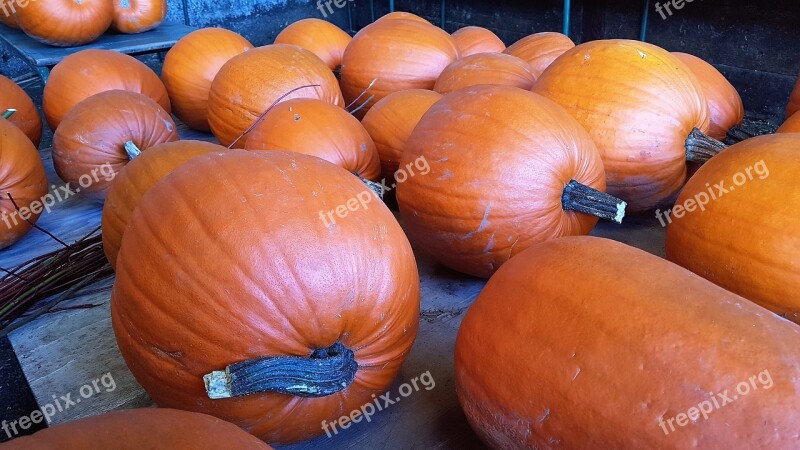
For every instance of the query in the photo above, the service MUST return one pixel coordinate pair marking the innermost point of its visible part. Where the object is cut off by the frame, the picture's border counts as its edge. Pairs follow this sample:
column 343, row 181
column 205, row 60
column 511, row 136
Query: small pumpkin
column 318, row 36
column 791, row 125
column 794, row 100
column 88, row 72
column 138, row 16
column 251, row 82
column 468, row 209
column 191, row 65
column 540, row 49
column 102, row 133
column 65, row 23
column 472, row 40
column 593, row 344
column 485, row 68
column 26, row 116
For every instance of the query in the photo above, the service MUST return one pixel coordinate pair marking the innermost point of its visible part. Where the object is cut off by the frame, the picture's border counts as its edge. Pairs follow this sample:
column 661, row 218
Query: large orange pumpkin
column 102, row 133
column 331, row 301
column 485, row 68
column 320, row 37
column 88, row 72
column 791, row 125
column 391, row 121
column 65, row 23
column 137, row 16
column 191, row 65
column 540, row 49
column 737, row 222
column 22, row 176
column 399, row 54
column 136, row 178
column 488, row 195
column 26, row 117
column 250, row 83
column 585, row 343
column 794, row 100
column 639, row 103
column 473, row 40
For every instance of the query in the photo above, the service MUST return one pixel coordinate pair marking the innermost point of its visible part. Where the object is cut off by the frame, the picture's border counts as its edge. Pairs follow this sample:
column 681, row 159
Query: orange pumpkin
column 191, row 65
column 8, row 19
column 391, row 121
column 473, row 40
column 485, row 68
column 794, row 100
column 102, row 133
column 137, row 16
column 88, row 72
column 251, row 82
column 26, row 117
column 65, row 23
column 791, row 125
column 403, row 15
column 320, row 37
column 540, row 49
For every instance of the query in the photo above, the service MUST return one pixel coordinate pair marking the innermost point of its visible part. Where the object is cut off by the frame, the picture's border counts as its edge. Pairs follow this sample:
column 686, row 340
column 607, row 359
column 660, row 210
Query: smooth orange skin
column 249, row 83
column 318, row 36
column 391, row 121
column 226, row 259
column 485, row 68
column 746, row 241
column 473, row 40
column 143, row 428
column 400, row 54
column 639, row 103
column 22, row 175
column 137, row 16
column 724, row 103
column 471, row 212
column 191, row 65
column 585, row 343
column 9, row 20
column 791, row 125
column 136, row 178
column 27, row 116
column 317, row 128
column 540, row 49
column 95, row 131
column 794, row 100
column 88, row 72
column 65, row 23
column 403, row 15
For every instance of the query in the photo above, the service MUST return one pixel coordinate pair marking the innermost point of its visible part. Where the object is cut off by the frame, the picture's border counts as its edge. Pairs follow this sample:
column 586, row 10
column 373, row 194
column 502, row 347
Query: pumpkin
column 540, row 49
column 137, row 16
column 136, row 178
column 473, row 40
column 739, row 201
column 461, row 203
column 331, row 300
column 391, row 121
column 404, row 16
column 26, row 116
column 135, row 429
column 317, row 128
column 794, row 100
column 485, row 68
column 544, row 357
column 320, row 37
column 639, row 104
column 191, row 65
column 399, row 54
column 102, row 133
column 791, row 125
column 7, row 17
column 725, row 107
column 23, row 177
column 251, row 82
column 88, row 72
column 65, row 23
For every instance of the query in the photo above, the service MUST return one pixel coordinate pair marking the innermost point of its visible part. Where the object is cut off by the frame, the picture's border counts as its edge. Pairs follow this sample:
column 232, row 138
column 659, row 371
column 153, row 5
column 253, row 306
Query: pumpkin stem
column 132, row 150
column 588, row 200
column 8, row 113
column 701, row 147
column 377, row 188
column 738, row 134
column 325, row 372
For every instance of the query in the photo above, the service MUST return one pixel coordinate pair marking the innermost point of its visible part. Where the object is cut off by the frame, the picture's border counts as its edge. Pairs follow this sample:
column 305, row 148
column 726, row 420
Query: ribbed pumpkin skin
column 137, row 16
column 544, row 359
column 400, row 53
column 27, row 116
column 287, row 283
column 734, row 242
column 471, row 212
column 320, row 37
column 88, row 72
column 485, row 68
column 251, row 82
column 136, row 178
column 792, row 125
column 540, row 49
column 391, row 121
column 95, row 131
column 639, row 104
column 143, row 428
column 794, row 100
column 65, row 23
column 725, row 106
column 473, row 40
column 317, row 128
column 191, row 65
column 21, row 175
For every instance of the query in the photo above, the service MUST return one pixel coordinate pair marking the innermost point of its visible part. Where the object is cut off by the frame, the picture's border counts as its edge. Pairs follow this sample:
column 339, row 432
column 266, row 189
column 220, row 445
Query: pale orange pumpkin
column 485, row 68
column 320, row 37
column 26, row 117
column 65, row 23
column 403, row 15
column 540, row 49
column 472, row 40
column 137, row 16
